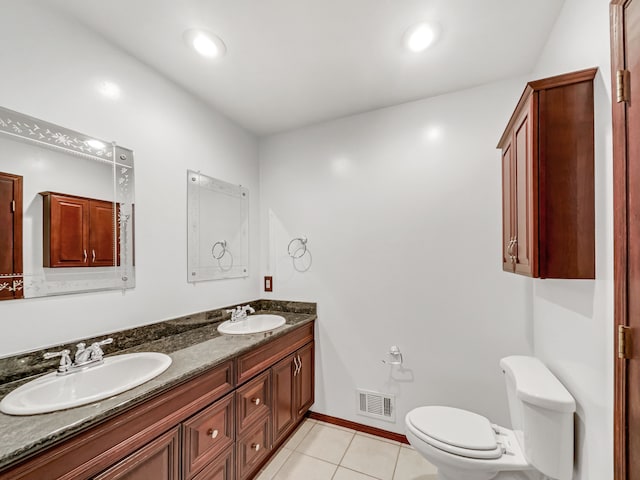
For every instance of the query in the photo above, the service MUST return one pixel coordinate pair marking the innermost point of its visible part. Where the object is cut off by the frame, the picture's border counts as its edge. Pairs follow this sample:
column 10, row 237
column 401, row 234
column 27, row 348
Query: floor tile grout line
column 357, row 471
column 336, row 427
column 395, row 467
column 275, row 474
column 346, row 449
column 283, row 446
column 363, row 473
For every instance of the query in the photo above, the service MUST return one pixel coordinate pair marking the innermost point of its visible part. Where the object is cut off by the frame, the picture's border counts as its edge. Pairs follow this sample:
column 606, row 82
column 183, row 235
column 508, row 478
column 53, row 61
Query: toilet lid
column 468, row 433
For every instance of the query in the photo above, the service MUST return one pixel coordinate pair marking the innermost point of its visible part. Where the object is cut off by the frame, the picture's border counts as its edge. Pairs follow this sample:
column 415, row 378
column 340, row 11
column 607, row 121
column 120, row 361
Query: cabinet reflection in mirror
column 66, row 210
column 218, row 234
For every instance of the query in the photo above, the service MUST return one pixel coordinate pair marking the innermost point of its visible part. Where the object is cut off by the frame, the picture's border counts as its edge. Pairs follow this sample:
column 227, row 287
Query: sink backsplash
column 164, row 336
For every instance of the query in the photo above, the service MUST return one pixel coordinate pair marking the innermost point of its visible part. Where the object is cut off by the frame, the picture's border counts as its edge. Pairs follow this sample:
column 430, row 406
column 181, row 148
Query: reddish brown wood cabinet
column 159, row 460
column 548, row 210
column 207, row 434
column 11, row 279
column 203, row 429
column 77, row 231
column 293, row 391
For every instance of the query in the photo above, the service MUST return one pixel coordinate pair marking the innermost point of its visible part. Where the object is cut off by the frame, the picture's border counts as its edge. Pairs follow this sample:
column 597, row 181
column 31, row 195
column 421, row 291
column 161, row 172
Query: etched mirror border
column 39, row 132
column 197, row 271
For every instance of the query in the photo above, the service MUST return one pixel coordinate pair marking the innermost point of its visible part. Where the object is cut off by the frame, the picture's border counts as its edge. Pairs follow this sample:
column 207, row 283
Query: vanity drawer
column 253, row 401
column 207, row 434
column 221, row 469
column 252, row 448
column 265, row 356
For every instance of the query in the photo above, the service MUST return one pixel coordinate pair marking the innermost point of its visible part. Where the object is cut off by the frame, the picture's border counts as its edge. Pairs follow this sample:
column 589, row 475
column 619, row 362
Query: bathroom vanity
column 218, row 412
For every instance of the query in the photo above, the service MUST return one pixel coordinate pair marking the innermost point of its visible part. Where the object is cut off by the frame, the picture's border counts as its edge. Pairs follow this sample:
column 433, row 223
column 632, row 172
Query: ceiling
column 291, row 63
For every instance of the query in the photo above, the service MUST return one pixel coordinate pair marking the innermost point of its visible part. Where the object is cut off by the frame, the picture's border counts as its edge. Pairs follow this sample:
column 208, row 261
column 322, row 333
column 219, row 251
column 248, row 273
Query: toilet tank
column 541, row 412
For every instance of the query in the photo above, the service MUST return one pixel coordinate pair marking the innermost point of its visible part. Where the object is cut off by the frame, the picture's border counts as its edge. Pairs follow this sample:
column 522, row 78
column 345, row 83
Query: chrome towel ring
column 302, row 247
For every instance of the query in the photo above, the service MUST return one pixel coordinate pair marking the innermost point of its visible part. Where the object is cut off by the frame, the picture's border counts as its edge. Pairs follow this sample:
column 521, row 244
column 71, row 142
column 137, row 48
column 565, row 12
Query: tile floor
column 321, row 451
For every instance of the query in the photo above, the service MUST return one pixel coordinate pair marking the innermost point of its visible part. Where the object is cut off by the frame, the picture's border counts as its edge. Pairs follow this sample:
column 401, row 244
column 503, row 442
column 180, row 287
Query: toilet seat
column 455, row 431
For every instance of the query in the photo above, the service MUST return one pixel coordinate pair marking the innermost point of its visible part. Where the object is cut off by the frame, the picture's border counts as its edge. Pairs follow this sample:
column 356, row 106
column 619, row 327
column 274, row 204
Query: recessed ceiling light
column 419, row 37
column 109, row 89
column 205, row 43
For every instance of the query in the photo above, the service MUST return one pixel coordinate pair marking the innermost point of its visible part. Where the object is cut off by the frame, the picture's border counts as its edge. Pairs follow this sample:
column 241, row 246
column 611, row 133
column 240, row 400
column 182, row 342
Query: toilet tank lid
column 535, row 384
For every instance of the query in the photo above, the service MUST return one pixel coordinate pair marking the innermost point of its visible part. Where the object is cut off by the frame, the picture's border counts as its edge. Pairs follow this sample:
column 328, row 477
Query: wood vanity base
column 216, row 426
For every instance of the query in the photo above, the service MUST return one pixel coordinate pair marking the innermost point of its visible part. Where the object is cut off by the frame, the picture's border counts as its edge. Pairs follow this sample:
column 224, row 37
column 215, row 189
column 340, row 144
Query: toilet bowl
column 466, row 446
column 463, row 445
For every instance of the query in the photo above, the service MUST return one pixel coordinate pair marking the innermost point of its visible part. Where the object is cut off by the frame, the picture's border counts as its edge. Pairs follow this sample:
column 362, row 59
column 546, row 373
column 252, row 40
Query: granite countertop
column 193, row 351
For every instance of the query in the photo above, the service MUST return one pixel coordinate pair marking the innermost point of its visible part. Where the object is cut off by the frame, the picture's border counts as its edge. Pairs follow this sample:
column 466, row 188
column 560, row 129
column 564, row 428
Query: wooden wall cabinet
column 548, row 209
column 212, row 427
column 77, row 231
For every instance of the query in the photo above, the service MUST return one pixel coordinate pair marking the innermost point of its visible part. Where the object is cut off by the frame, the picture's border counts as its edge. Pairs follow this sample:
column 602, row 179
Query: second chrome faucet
column 240, row 312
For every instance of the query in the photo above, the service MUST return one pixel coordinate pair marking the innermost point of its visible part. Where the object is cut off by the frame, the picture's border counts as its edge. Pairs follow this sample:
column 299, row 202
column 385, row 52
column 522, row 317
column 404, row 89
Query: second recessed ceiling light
column 205, row 43
column 420, row 37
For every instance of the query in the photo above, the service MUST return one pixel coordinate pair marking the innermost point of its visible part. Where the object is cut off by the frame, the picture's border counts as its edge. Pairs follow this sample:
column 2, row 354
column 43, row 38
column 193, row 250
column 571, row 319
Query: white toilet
column 466, row 446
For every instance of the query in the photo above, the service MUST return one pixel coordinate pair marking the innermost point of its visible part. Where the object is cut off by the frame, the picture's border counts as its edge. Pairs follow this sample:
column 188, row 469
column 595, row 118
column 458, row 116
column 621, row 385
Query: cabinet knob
column 212, row 433
column 255, row 446
column 255, row 401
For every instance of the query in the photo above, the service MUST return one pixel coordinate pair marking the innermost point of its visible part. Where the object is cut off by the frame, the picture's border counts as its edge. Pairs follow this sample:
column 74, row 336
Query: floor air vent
column 377, row 405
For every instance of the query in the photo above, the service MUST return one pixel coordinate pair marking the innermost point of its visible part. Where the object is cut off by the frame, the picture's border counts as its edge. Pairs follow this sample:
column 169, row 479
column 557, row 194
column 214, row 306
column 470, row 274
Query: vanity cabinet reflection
column 78, row 231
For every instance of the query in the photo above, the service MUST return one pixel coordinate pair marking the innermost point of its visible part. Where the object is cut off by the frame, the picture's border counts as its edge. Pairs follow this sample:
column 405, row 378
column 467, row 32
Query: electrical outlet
column 268, row 284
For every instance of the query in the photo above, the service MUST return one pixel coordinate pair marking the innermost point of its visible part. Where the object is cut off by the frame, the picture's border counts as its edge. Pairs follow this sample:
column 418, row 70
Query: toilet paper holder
column 394, row 356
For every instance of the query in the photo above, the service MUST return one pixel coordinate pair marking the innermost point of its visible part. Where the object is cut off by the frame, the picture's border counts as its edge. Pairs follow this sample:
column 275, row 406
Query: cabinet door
column 67, row 226
column 526, row 193
column 252, row 449
column 304, row 381
column 10, row 236
column 507, row 209
column 284, row 411
column 206, row 434
column 101, row 234
column 158, row 460
column 220, row 469
column 253, row 401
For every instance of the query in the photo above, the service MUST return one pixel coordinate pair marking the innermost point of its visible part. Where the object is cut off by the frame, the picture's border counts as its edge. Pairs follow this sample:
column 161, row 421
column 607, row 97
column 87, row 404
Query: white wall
column 402, row 209
column 573, row 320
column 50, row 70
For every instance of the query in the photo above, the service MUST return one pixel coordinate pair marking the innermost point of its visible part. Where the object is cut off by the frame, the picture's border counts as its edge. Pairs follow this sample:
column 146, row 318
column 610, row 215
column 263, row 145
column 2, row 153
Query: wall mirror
column 218, row 233
column 66, row 210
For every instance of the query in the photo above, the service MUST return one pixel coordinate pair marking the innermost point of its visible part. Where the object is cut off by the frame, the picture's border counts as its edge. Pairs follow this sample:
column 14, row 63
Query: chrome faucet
column 240, row 312
column 83, row 358
column 65, row 360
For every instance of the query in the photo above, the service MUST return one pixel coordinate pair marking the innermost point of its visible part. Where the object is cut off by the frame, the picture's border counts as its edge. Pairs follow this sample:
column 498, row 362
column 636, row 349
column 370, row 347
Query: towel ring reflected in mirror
column 220, row 251
column 300, row 254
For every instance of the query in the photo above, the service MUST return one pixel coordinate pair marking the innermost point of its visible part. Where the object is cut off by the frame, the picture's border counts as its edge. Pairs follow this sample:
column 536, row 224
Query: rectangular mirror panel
column 66, row 210
column 218, row 234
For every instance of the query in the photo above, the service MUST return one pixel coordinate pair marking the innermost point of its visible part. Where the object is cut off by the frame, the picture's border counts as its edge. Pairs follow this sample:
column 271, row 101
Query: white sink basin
column 116, row 375
column 252, row 324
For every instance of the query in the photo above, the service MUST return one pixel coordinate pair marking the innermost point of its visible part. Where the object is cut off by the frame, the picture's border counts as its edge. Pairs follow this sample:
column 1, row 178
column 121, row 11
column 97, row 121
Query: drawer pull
column 212, row 433
column 255, row 446
column 255, row 401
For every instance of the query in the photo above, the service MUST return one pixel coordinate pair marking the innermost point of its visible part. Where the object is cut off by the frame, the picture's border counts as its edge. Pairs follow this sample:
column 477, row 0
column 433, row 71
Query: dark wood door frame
column 17, row 272
column 623, row 212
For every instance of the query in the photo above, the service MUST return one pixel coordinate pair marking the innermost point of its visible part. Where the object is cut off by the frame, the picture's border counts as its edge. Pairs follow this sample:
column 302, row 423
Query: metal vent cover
column 376, row 405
